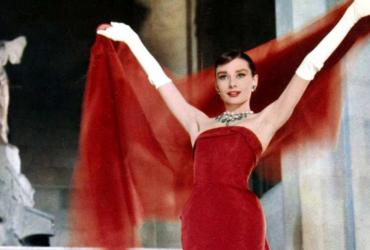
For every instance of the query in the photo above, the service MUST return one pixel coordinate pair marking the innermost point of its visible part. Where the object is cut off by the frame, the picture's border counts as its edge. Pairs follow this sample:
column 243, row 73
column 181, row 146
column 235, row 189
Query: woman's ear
column 255, row 82
column 217, row 90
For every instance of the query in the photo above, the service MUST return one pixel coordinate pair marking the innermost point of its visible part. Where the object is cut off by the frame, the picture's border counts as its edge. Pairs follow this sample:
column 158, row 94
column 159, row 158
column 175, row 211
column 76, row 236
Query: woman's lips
column 233, row 93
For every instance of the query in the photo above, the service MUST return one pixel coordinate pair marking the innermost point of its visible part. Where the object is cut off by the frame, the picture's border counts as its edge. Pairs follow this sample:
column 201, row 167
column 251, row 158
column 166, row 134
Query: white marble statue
column 10, row 51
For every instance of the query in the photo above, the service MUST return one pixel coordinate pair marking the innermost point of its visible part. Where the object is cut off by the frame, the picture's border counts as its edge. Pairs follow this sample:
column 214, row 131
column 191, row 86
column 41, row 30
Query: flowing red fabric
column 135, row 160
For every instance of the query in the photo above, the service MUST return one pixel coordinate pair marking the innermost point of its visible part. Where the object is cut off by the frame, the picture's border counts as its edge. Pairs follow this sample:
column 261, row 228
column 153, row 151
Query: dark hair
column 231, row 55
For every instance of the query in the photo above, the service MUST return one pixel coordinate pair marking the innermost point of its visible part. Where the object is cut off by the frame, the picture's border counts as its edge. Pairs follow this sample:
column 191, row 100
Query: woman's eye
column 240, row 75
column 222, row 77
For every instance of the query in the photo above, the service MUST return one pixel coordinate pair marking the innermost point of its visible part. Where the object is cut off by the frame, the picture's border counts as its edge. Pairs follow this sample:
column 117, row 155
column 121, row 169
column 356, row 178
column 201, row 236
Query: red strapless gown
column 221, row 213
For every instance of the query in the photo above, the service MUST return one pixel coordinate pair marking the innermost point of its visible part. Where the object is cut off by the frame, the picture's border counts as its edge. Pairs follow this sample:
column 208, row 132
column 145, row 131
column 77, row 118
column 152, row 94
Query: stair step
column 75, row 248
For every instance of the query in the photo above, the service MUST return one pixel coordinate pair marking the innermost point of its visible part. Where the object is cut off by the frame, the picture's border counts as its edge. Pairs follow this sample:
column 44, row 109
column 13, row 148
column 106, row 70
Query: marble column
column 168, row 33
column 324, row 191
column 357, row 125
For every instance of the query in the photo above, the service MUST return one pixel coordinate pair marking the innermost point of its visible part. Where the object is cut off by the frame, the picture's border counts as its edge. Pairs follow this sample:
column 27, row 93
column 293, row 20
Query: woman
column 221, row 213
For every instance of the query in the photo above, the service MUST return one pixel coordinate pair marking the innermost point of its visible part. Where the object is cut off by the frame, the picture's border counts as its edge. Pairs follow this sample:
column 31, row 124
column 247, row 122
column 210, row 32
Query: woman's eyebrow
column 240, row 70
column 237, row 71
column 221, row 72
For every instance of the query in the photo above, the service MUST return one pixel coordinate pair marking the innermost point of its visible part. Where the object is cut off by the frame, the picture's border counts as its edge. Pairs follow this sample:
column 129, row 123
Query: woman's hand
column 123, row 33
column 119, row 32
column 361, row 8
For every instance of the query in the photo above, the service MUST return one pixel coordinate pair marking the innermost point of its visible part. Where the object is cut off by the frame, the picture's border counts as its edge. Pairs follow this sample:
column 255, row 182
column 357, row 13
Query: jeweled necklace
column 227, row 117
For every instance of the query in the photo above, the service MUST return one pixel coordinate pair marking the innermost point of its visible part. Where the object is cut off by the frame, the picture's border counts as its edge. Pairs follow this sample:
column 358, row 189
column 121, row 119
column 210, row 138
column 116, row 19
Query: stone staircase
column 77, row 248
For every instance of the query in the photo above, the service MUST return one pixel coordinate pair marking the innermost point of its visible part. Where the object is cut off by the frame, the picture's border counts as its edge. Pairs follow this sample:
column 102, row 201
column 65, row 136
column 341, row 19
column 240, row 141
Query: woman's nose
column 232, row 82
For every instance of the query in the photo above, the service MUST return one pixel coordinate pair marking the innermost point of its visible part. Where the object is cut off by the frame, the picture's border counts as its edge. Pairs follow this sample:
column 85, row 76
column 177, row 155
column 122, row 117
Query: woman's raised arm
column 185, row 113
column 279, row 111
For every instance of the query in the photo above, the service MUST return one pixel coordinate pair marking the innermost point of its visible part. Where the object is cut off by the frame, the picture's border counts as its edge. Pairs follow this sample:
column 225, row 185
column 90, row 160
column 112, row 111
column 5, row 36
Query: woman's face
column 235, row 82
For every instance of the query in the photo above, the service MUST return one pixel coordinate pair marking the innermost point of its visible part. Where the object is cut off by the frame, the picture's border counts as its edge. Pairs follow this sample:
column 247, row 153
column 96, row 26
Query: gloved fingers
column 118, row 24
column 361, row 8
column 102, row 32
column 110, row 33
column 118, row 32
column 122, row 27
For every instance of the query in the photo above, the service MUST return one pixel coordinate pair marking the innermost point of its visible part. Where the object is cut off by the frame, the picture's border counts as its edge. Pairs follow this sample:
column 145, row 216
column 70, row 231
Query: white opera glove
column 315, row 60
column 361, row 8
column 123, row 33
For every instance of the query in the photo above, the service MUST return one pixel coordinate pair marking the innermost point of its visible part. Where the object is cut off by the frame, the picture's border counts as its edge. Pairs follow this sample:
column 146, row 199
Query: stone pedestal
column 20, row 222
